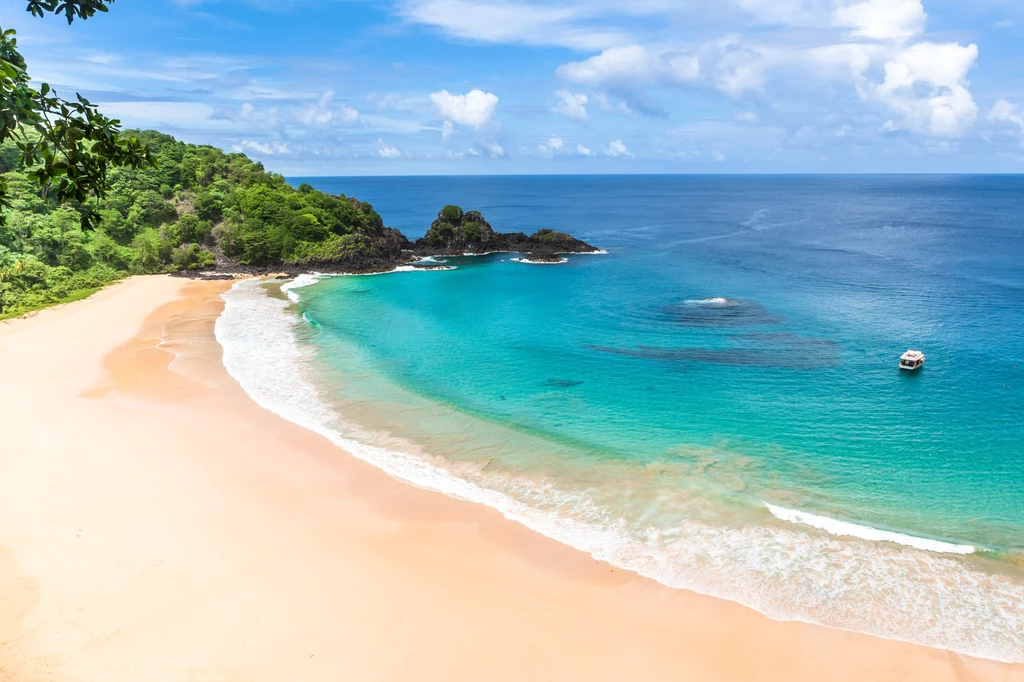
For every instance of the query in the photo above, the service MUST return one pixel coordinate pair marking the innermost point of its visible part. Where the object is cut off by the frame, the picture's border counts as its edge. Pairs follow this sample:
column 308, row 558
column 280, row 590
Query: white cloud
column 322, row 113
column 269, row 149
column 718, row 156
column 633, row 66
column 627, row 71
column 247, row 109
column 729, row 65
column 571, row 106
column 502, row 21
column 616, row 148
column 387, row 152
column 1005, row 112
column 746, row 117
column 495, row 149
column 176, row 115
column 606, row 103
column 102, row 58
column 549, row 148
column 926, row 86
column 735, row 67
column 474, row 109
column 555, row 146
column 882, row 19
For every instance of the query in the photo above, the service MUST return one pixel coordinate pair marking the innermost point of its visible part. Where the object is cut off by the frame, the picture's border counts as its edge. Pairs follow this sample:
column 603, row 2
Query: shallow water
column 714, row 403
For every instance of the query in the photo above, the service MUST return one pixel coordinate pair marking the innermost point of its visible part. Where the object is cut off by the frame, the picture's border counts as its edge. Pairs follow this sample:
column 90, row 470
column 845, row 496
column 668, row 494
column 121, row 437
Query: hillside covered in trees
column 198, row 207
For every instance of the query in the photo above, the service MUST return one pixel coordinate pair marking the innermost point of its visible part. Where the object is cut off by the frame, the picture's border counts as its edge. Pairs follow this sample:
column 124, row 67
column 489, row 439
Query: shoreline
column 417, row 261
column 258, row 550
column 261, row 340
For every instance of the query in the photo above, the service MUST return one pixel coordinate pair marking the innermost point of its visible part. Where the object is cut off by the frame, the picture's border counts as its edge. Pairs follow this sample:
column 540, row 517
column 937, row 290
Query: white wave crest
column 922, row 597
column 303, row 280
column 307, row 279
column 540, row 262
column 413, row 268
column 718, row 301
column 844, row 528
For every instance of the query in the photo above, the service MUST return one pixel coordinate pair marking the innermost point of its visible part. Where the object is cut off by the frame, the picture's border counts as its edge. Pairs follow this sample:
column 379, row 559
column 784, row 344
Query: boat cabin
column 911, row 360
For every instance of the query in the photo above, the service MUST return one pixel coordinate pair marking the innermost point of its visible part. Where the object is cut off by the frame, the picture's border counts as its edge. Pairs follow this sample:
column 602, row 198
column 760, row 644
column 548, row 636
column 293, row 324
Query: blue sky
column 405, row 87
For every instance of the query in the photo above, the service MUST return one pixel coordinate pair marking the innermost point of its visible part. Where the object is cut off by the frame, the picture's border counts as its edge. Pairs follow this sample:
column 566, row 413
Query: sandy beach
column 156, row 524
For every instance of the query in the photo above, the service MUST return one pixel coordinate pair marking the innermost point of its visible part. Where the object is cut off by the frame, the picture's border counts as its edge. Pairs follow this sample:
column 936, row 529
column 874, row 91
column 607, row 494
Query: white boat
column 912, row 360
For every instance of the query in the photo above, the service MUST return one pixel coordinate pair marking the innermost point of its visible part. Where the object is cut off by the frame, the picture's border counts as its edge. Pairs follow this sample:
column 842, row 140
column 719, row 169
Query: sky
column 410, row 87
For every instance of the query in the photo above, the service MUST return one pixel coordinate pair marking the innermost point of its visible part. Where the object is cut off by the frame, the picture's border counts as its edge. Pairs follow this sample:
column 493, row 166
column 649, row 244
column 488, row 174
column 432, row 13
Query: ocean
column 715, row 401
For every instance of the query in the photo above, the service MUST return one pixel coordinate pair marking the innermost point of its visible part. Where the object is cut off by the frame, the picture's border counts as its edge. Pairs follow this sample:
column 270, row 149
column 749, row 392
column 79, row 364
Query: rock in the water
column 456, row 232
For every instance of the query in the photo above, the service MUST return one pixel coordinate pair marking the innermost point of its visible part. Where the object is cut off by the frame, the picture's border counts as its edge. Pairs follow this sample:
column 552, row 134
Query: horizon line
column 734, row 175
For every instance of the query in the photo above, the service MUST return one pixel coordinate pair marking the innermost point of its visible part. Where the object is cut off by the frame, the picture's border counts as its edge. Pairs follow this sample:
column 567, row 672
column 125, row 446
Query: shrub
column 451, row 214
column 192, row 257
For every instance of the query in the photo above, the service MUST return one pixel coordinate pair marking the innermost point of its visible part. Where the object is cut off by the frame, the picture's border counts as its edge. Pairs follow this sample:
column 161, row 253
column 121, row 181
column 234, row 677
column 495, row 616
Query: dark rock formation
column 455, row 233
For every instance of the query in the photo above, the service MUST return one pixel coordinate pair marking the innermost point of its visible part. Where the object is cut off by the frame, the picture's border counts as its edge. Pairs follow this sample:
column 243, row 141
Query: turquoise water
column 710, row 401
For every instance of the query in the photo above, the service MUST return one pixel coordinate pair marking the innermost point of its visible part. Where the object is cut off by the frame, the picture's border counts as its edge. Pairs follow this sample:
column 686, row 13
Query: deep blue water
column 737, row 346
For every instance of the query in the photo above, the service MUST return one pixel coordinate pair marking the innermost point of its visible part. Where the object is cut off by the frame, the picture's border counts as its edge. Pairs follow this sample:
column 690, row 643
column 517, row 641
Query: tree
column 65, row 146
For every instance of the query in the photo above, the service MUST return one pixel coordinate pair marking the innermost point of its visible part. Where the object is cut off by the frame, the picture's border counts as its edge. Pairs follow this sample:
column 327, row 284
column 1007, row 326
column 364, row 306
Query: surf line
column 844, row 528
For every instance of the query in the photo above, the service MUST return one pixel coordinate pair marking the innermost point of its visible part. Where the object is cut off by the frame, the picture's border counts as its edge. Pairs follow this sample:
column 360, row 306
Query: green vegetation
column 553, row 238
column 454, row 229
column 195, row 204
column 63, row 146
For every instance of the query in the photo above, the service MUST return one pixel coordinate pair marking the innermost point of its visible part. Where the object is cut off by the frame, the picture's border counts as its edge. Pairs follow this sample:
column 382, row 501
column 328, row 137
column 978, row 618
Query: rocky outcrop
column 378, row 249
column 455, row 233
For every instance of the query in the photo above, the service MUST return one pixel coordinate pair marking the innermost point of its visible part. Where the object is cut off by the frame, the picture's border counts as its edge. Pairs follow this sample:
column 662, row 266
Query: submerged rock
column 562, row 383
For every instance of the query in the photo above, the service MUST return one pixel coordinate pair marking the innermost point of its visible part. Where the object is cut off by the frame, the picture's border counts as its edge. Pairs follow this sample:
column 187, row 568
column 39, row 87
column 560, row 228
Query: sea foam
column 889, row 590
column 303, row 280
column 845, row 528
column 718, row 301
column 540, row 262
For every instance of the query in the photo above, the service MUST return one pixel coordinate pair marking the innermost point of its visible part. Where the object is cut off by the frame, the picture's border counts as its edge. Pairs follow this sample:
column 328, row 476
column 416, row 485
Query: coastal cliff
column 377, row 248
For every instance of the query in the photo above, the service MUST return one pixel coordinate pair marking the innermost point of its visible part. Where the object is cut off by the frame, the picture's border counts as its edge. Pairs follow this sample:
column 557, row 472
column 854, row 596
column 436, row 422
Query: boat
column 912, row 360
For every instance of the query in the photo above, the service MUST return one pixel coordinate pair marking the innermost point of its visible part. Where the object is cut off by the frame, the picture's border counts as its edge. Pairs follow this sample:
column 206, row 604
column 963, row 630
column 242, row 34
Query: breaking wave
column 540, row 262
column 847, row 529
column 844, row 577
